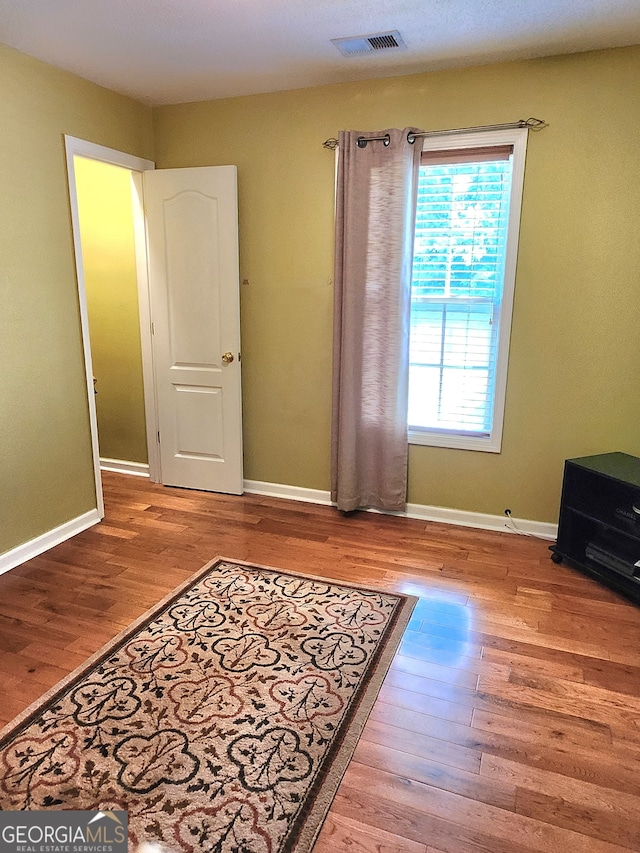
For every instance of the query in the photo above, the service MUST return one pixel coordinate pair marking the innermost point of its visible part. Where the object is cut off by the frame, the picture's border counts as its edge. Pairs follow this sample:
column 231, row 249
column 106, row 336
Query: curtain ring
column 362, row 141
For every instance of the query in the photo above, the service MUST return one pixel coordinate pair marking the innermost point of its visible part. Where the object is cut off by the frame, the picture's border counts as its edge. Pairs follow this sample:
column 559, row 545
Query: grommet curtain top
column 362, row 141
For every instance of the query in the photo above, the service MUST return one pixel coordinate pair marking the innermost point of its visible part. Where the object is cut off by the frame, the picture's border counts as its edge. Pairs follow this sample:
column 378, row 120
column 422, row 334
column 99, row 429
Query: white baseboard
column 28, row 550
column 483, row 521
column 443, row 515
column 119, row 466
column 292, row 493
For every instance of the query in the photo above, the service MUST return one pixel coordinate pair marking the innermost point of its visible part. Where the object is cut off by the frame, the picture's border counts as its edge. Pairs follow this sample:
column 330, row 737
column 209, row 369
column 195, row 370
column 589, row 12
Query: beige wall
column 574, row 380
column 105, row 206
column 46, row 475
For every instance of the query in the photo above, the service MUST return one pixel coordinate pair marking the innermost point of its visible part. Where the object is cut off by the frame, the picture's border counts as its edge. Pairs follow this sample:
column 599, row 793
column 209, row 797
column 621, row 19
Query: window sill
column 488, row 444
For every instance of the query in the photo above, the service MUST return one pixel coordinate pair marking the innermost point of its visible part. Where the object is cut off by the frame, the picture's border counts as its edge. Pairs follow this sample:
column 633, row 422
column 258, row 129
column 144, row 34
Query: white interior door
column 192, row 234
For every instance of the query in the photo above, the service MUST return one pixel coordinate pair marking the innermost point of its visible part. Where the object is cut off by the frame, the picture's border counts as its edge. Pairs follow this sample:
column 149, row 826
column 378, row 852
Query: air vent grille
column 383, row 42
column 368, row 44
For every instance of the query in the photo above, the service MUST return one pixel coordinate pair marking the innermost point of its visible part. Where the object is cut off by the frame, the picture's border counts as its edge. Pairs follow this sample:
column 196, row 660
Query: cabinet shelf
column 630, row 534
column 599, row 529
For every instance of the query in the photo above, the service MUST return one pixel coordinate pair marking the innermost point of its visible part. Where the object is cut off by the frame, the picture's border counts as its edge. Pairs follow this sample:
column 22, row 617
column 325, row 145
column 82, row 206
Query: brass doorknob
column 227, row 357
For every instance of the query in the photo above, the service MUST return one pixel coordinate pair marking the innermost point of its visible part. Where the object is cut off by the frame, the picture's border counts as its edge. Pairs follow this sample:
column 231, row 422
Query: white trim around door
column 137, row 165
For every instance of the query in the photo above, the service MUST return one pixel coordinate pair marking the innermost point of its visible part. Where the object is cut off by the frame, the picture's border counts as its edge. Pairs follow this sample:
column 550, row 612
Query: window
column 467, row 220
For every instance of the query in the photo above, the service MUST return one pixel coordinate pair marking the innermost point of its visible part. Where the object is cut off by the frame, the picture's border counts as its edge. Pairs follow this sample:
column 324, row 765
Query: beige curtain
column 375, row 217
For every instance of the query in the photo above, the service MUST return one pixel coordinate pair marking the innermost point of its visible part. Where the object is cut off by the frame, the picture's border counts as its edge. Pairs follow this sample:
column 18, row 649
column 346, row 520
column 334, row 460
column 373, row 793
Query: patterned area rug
column 221, row 721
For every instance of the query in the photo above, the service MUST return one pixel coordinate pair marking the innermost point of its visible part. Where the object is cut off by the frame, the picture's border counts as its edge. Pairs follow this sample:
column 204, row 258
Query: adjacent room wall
column 574, row 380
column 46, row 474
column 105, row 206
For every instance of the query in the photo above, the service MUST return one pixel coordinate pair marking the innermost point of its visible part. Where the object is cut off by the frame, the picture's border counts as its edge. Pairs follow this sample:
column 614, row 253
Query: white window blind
column 462, row 228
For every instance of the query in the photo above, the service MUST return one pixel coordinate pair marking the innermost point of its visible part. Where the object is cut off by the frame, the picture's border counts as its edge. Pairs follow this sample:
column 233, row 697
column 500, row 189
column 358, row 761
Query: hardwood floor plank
column 419, row 744
column 573, row 815
column 426, row 704
column 573, row 803
column 439, row 611
column 583, row 701
column 477, row 738
column 557, row 749
column 35, row 672
column 345, row 835
column 434, row 671
column 613, row 676
column 406, row 765
column 457, row 654
column 535, row 666
column 485, row 819
column 434, row 688
column 449, row 836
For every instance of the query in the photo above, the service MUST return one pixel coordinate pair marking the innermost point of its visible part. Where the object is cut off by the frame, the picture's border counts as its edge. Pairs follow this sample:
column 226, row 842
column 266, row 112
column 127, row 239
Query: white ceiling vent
column 368, row 44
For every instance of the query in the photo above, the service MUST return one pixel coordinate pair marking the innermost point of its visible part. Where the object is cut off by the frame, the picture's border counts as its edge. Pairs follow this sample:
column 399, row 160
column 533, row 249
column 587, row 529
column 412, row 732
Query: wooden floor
column 509, row 721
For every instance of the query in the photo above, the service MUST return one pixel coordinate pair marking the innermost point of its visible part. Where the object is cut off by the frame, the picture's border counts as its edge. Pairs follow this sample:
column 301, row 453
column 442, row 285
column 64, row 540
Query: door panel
column 194, row 287
column 200, row 422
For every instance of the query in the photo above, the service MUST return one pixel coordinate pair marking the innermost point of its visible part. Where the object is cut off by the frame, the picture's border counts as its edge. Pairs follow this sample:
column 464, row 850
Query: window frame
column 516, row 137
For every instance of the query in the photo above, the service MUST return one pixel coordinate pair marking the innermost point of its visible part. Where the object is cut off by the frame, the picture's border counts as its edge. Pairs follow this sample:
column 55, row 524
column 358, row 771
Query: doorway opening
column 110, row 247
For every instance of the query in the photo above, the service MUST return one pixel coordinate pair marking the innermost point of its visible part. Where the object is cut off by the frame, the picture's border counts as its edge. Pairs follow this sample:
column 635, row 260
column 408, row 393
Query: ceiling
column 172, row 51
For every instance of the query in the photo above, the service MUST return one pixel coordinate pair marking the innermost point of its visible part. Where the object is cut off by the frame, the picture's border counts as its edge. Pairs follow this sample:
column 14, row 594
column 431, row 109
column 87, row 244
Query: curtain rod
column 530, row 123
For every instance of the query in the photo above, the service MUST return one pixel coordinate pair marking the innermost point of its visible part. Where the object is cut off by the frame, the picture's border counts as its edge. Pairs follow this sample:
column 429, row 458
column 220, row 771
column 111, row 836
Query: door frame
column 136, row 165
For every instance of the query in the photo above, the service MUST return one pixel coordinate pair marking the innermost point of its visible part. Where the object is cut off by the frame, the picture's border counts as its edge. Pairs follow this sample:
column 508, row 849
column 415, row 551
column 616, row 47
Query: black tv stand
column 599, row 529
